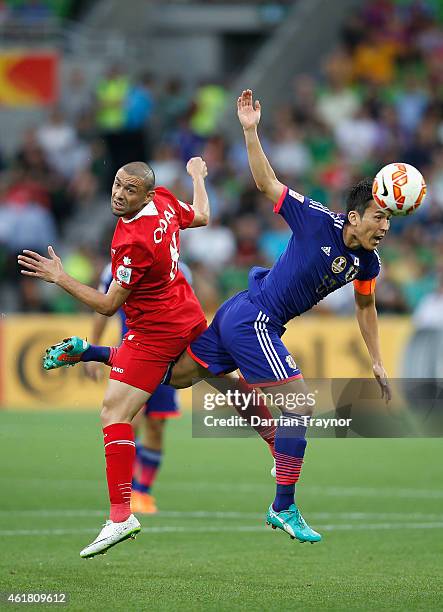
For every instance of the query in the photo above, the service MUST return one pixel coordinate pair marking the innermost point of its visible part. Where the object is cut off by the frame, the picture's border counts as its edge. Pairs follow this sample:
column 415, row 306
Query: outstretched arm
column 51, row 270
column 249, row 113
column 367, row 320
column 197, row 170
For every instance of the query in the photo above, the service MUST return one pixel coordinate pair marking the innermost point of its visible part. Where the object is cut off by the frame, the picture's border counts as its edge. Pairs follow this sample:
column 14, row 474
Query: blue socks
column 146, row 465
column 97, row 353
column 290, row 445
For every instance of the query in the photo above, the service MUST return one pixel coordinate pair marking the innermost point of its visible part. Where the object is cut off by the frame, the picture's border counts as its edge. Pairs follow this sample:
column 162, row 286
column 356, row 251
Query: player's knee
column 294, row 397
column 112, row 413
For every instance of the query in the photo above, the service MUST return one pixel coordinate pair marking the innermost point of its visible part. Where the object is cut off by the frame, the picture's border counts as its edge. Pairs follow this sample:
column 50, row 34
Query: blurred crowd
column 34, row 12
column 378, row 99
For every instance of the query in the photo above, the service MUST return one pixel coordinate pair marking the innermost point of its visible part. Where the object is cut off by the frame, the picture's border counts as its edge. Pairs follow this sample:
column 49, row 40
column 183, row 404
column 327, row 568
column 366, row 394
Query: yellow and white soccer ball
column 400, row 188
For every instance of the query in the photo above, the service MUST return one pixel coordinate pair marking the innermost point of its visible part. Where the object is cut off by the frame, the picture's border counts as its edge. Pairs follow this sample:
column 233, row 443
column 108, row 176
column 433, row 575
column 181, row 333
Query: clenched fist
column 196, row 166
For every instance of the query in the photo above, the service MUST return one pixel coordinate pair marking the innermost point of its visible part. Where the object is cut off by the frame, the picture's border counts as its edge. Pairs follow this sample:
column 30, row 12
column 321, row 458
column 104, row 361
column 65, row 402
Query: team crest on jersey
column 124, row 274
column 339, row 264
column 291, row 362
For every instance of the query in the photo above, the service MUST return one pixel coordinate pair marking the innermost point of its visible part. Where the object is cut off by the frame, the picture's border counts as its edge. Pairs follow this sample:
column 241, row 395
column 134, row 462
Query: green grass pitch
column 378, row 504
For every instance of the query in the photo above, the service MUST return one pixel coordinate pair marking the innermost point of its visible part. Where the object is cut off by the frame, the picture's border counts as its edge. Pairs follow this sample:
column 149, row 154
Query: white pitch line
column 333, row 491
column 205, row 514
column 375, row 492
column 328, row 491
column 210, row 529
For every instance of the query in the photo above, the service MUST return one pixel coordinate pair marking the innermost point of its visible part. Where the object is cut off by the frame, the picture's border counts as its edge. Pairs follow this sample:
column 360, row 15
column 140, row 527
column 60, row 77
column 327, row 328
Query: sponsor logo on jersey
column 124, row 274
column 326, row 250
column 297, row 196
column 339, row 264
column 127, row 261
column 119, row 370
column 113, row 251
column 291, row 362
column 356, row 261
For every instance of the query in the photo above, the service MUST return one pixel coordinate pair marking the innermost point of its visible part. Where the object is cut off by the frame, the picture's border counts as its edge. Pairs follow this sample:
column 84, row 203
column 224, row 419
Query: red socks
column 119, row 444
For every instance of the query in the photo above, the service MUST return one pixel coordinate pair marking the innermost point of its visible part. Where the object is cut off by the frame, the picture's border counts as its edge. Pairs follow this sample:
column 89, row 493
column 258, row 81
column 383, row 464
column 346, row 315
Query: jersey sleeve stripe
column 197, row 359
column 279, row 204
column 365, row 287
column 338, row 221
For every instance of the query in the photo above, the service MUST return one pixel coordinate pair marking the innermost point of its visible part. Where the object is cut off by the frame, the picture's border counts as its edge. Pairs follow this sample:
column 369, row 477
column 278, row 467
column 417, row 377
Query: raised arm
column 197, row 170
column 249, row 113
column 51, row 270
column 366, row 313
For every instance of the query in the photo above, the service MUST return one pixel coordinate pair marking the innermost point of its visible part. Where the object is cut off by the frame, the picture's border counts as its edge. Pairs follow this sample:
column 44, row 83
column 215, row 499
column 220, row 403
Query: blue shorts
column 163, row 403
column 243, row 336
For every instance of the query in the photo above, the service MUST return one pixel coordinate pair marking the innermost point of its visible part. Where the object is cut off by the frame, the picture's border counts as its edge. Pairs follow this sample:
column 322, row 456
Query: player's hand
column 382, row 379
column 248, row 112
column 93, row 370
column 196, row 166
column 49, row 270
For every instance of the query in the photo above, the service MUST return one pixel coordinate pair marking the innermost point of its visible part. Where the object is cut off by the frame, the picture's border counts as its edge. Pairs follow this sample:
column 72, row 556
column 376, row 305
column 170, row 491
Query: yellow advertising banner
column 332, row 347
column 323, row 347
column 24, row 382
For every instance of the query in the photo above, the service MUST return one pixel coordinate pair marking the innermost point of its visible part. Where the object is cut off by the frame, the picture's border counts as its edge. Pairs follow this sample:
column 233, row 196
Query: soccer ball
column 399, row 188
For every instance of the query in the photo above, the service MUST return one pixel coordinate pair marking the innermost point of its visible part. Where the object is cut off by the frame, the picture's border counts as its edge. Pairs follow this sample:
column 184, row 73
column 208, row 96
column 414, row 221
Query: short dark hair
column 359, row 197
column 143, row 171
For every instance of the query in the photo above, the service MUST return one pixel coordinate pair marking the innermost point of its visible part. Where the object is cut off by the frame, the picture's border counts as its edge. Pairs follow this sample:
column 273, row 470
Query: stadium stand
column 379, row 88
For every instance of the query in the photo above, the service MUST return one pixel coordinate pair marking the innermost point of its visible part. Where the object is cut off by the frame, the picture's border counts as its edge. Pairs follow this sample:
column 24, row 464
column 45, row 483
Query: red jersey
column 145, row 252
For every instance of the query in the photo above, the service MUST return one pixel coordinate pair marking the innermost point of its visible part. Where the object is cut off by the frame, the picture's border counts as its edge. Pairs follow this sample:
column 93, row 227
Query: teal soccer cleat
column 66, row 353
column 292, row 522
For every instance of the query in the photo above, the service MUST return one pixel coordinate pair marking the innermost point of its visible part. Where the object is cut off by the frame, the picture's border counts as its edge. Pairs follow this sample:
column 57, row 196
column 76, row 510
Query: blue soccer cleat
column 293, row 523
column 68, row 352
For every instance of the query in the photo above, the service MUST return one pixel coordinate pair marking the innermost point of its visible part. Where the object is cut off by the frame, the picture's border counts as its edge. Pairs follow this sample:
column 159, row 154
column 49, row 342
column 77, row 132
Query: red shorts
column 142, row 361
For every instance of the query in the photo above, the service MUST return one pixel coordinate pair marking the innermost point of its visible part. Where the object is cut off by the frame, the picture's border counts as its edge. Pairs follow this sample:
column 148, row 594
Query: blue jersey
column 106, row 280
column 315, row 262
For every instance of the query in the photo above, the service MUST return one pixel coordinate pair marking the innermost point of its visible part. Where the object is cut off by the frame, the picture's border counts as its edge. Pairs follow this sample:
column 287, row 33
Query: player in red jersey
column 162, row 313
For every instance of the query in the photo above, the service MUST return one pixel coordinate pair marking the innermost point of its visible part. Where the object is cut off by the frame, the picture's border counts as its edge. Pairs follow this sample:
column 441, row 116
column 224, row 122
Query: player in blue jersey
column 326, row 251
column 162, row 405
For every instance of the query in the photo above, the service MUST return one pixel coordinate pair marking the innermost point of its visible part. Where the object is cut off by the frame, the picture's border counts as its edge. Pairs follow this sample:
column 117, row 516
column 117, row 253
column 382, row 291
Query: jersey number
column 175, row 255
